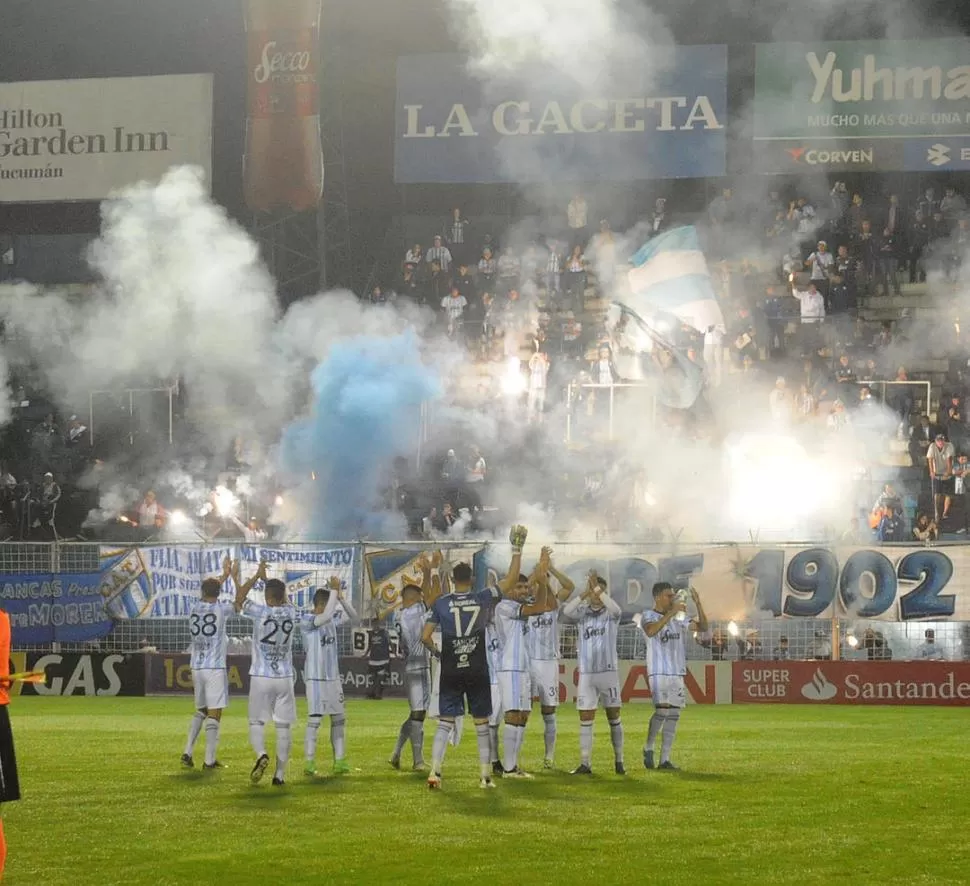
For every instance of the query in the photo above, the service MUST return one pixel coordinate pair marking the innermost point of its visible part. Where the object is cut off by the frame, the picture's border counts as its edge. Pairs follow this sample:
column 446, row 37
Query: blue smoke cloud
column 366, row 412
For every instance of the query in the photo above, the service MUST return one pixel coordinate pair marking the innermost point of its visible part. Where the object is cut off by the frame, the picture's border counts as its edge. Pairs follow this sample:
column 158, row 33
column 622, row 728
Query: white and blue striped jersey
column 412, row 621
column 207, row 628
column 542, row 639
column 320, row 645
column 596, row 641
column 492, row 647
column 272, row 639
column 511, row 629
column 667, row 649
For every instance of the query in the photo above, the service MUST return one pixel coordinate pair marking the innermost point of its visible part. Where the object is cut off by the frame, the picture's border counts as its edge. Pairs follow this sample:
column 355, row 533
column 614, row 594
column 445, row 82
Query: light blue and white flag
column 670, row 275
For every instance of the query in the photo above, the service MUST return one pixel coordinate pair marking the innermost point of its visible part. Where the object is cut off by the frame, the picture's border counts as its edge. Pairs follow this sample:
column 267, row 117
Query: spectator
column 486, row 270
column 889, row 263
column 939, row 458
column 875, row 646
column 538, row 375
column 440, row 254
column 453, row 306
column 928, row 649
column 925, row 529
column 454, row 232
column 838, row 419
column 414, row 256
column 781, row 651
column 812, row 304
column 577, row 218
column 659, row 221
column 574, row 280
column 821, row 263
column 149, row 510
column 779, row 403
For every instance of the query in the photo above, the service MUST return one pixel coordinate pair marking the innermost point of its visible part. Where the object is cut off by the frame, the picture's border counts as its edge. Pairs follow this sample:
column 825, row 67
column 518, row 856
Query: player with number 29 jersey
column 272, row 639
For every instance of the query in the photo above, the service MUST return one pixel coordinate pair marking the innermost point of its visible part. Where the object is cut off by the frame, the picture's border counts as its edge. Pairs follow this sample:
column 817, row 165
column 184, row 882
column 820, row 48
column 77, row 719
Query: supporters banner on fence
column 736, row 581
column 534, row 125
column 82, row 139
column 388, row 569
column 47, row 608
column 93, row 674
column 862, row 105
column 304, row 568
column 852, row 682
column 167, row 674
column 159, row 581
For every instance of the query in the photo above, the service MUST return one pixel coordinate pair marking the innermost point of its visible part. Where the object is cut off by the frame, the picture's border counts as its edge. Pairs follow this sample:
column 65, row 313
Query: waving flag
column 670, row 275
column 679, row 379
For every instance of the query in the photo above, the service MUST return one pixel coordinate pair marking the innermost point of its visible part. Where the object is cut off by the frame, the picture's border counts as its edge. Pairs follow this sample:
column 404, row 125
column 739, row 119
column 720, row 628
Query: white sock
column 482, row 733
column 257, row 737
column 616, row 736
column 442, row 736
column 403, row 734
column 457, row 730
column 493, row 742
column 519, row 741
column 310, row 739
column 549, row 734
column 195, row 727
column 337, row 737
column 585, row 741
column 510, row 747
column 671, row 717
column 417, row 741
column 211, row 739
column 656, row 722
column 284, row 741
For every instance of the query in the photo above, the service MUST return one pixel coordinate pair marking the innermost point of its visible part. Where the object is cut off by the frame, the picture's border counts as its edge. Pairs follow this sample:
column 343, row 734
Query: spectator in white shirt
column 820, row 262
column 440, row 254
column 251, row 531
column 928, row 650
column 812, row 302
column 779, row 403
column 454, row 307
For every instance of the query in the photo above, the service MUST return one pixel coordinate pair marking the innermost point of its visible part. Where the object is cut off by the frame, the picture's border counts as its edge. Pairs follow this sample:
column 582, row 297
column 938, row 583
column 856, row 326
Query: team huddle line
column 484, row 652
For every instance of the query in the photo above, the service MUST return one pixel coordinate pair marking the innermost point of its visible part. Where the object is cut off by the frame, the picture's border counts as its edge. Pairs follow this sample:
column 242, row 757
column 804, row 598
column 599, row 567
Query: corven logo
column 938, row 155
column 819, row 688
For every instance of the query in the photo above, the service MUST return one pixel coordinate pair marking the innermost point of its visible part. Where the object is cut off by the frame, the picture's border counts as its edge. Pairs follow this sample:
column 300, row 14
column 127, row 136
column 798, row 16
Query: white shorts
column 418, row 685
column 211, row 688
column 668, row 691
column 545, row 681
column 272, row 698
column 515, row 689
column 497, row 713
column 598, row 688
column 324, row 697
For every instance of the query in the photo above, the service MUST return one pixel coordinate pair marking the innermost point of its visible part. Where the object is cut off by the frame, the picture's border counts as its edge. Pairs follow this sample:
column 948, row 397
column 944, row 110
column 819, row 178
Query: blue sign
column 536, row 126
column 941, row 154
column 47, row 609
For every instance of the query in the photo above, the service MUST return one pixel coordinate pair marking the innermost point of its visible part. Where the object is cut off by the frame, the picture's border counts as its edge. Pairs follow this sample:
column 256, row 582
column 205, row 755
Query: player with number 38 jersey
column 207, row 647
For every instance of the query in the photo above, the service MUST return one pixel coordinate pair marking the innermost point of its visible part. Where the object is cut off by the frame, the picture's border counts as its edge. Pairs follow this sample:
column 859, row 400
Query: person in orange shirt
column 9, row 782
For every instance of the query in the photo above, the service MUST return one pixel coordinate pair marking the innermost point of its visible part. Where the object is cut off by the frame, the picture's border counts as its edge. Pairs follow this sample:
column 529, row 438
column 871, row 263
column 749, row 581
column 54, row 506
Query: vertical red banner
column 283, row 166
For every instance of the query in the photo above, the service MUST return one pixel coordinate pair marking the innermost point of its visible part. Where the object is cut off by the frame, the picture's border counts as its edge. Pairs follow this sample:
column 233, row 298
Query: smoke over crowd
column 326, row 396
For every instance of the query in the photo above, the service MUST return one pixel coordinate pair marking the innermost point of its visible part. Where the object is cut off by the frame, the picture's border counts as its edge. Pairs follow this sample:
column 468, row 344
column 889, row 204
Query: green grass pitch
column 768, row 795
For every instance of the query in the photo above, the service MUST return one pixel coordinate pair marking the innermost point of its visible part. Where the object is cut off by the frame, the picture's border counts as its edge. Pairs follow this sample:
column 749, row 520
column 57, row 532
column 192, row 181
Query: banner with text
column 534, row 125
column 746, row 581
column 852, row 682
column 862, row 105
column 304, row 568
column 83, row 139
column 46, row 609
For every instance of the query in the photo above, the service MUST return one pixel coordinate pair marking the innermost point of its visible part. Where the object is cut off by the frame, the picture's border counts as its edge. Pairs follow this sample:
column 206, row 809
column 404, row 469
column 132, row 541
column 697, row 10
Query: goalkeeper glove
column 517, row 536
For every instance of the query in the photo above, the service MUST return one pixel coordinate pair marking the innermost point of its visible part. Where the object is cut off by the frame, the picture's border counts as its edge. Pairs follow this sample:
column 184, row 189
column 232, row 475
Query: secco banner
column 92, row 674
column 166, row 674
column 862, row 105
column 46, row 609
column 537, row 125
column 852, row 682
column 66, row 140
column 735, row 581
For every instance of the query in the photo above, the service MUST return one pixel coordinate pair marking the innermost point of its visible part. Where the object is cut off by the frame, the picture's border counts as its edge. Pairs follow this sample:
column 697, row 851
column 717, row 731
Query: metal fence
column 753, row 638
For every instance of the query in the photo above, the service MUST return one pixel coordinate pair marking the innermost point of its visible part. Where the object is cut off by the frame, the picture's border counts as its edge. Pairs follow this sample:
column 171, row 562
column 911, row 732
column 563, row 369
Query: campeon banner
column 82, row 139
column 534, row 125
column 858, row 105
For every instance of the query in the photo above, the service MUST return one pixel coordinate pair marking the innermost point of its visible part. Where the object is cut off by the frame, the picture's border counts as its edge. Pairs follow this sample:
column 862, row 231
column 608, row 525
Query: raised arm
column 567, row 585
column 701, row 621
column 331, row 607
column 242, row 590
column 517, row 536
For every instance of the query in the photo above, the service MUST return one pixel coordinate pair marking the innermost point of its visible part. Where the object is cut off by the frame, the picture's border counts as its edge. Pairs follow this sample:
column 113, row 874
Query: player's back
column 207, row 629
column 320, row 645
column 596, row 642
column 542, row 637
column 667, row 649
column 412, row 622
column 511, row 629
column 272, row 639
column 463, row 618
